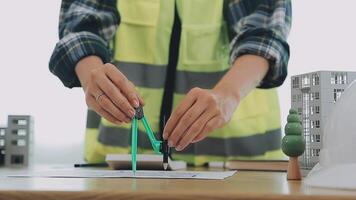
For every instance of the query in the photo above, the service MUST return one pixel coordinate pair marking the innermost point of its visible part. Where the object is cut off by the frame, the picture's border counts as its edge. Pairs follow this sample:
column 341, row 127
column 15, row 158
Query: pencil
column 91, row 165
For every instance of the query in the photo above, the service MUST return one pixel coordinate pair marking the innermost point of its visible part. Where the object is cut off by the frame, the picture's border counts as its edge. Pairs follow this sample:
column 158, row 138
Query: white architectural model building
column 314, row 95
column 2, row 145
column 15, row 141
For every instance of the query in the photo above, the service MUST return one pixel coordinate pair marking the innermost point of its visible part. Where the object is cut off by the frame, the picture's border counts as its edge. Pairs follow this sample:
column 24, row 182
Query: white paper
column 84, row 173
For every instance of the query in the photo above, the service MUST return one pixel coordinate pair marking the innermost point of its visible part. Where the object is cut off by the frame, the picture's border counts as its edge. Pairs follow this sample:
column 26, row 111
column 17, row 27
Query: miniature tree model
column 293, row 144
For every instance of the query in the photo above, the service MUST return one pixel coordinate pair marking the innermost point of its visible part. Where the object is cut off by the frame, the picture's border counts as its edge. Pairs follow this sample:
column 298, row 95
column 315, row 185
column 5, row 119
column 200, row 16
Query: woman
column 208, row 66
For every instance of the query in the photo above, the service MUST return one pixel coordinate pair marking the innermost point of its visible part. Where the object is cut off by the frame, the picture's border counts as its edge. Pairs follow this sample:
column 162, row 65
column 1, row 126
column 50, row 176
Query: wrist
column 228, row 92
column 84, row 67
column 245, row 74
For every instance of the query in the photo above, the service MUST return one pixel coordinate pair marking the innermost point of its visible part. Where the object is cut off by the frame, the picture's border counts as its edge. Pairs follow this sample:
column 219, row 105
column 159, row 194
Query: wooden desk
column 243, row 185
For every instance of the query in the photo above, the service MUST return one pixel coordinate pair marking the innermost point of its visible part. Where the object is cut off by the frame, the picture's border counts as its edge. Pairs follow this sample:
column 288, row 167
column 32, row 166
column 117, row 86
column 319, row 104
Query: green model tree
column 293, row 144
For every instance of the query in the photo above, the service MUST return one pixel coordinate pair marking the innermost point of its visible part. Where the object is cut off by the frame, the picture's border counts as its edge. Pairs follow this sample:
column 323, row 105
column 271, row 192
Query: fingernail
column 136, row 103
column 165, row 136
column 179, row 148
column 170, row 143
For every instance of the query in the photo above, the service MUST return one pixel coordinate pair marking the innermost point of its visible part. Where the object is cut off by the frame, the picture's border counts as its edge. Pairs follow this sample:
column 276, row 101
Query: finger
column 109, row 107
column 182, row 108
column 96, row 107
column 212, row 124
column 195, row 129
column 142, row 103
column 105, row 84
column 140, row 100
column 123, row 83
column 185, row 122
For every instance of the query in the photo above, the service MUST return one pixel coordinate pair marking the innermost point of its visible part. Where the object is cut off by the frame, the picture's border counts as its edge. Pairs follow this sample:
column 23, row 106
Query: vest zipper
column 167, row 100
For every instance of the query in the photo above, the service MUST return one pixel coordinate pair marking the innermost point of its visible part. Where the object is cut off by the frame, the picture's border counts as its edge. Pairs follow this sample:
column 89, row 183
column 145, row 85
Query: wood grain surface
column 243, row 185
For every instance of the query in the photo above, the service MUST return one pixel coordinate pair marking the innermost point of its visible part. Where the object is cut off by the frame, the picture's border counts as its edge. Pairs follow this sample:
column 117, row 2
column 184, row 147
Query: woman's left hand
column 199, row 113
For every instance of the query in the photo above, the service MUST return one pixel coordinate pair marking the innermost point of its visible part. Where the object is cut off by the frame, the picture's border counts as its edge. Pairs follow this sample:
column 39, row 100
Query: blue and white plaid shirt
column 258, row 27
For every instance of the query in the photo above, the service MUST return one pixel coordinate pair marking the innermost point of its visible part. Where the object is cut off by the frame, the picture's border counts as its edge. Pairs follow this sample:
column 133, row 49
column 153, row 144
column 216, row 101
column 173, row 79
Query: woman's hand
column 199, row 113
column 107, row 90
column 203, row 111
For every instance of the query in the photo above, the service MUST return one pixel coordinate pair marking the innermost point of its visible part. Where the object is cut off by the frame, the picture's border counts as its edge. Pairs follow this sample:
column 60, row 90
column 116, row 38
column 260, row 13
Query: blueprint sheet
column 91, row 173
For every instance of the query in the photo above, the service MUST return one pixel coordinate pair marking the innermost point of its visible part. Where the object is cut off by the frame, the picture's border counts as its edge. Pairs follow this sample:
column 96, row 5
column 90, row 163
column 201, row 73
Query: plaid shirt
column 258, row 27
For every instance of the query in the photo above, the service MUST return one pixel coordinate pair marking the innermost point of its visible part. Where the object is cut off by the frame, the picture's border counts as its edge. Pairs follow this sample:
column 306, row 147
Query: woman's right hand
column 107, row 91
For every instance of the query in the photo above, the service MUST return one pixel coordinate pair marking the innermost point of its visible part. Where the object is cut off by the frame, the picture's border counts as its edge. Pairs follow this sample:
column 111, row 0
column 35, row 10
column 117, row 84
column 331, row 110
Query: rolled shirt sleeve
column 261, row 27
column 85, row 28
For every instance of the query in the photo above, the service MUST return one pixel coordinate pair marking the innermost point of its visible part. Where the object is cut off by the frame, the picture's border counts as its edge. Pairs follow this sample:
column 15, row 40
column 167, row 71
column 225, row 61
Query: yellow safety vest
column 141, row 53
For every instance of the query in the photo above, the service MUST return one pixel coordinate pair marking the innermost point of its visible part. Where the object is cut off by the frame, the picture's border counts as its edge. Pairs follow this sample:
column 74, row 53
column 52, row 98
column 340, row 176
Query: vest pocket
column 201, row 45
column 139, row 12
column 136, row 36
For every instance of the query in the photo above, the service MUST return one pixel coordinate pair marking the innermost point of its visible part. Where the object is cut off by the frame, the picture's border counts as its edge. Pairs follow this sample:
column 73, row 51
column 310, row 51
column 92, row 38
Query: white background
column 323, row 36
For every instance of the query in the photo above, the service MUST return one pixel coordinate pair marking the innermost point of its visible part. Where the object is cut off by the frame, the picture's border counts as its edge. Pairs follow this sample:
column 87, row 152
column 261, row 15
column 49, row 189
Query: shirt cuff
column 70, row 49
column 264, row 43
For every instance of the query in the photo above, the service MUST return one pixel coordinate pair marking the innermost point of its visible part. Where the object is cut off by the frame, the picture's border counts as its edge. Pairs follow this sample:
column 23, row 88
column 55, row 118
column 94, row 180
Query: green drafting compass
column 159, row 147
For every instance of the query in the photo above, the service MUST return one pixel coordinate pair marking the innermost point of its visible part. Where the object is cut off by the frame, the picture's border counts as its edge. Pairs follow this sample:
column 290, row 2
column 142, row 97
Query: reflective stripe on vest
column 145, row 75
column 141, row 53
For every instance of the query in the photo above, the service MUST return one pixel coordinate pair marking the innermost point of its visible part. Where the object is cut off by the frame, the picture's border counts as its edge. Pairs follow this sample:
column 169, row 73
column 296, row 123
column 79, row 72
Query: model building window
column 317, row 109
column 20, row 132
column 314, row 139
column 316, row 95
column 315, row 152
column 315, row 79
column 333, row 78
column 337, row 94
column 20, row 142
column 17, row 159
column 305, row 104
column 20, row 122
column 317, row 138
column 317, row 124
column 2, row 142
column 299, row 111
column 344, row 80
column 341, row 78
column 311, row 110
column 305, row 123
column 2, row 132
column 305, row 81
column 295, row 82
column 299, row 98
column 338, row 78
